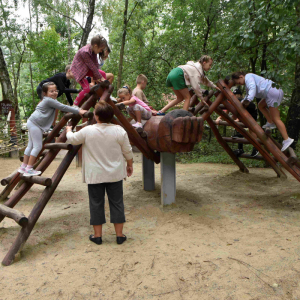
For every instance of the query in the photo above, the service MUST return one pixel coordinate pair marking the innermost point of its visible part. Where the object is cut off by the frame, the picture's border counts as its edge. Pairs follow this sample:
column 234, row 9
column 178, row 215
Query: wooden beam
column 251, row 138
column 61, row 146
column 7, row 180
column 13, row 214
column 248, row 156
column 38, row 180
column 219, row 138
column 223, row 123
column 247, row 119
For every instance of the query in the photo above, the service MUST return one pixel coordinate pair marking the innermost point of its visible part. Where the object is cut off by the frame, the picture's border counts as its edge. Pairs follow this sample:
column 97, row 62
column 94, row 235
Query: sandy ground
column 229, row 236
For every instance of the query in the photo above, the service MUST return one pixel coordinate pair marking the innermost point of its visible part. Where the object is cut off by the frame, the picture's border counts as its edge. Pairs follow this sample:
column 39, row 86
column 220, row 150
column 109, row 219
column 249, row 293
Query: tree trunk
column 69, row 36
column 293, row 117
column 88, row 24
column 30, row 67
column 122, row 45
column 7, row 91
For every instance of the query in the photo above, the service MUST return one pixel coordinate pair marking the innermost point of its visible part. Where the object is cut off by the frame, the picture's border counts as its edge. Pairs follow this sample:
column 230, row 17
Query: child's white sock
column 28, row 167
column 23, row 165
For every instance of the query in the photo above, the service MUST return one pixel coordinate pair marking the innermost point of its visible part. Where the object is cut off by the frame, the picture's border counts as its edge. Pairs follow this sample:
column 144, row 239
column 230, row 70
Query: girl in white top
column 104, row 147
column 189, row 74
column 259, row 87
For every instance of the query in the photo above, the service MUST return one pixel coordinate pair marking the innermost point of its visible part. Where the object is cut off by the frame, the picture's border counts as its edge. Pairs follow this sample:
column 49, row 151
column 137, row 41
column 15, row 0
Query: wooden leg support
column 219, row 138
column 39, row 207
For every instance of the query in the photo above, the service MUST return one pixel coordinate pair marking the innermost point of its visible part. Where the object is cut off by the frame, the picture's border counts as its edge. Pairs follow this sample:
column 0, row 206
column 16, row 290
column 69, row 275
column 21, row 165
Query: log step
column 13, row 214
column 45, row 181
column 7, row 180
column 223, row 123
column 63, row 146
column 237, row 140
column 257, row 157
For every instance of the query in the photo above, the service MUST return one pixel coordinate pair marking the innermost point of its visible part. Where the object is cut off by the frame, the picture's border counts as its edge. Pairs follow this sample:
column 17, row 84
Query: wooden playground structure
column 161, row 138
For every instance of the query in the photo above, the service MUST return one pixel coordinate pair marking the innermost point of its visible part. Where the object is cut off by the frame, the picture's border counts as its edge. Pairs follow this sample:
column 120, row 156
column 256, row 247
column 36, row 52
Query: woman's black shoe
column 121, row 239
column 254, row 152
column 96, row 240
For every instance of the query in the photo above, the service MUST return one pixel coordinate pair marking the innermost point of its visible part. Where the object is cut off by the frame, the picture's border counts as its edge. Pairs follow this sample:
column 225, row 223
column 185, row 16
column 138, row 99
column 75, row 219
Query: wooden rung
column 7, row 180
column 45, row 181
column 45, row 134
column 236, row 140
column 64, row 146
column 223, row 123
column 13, row 214
column 257, row 157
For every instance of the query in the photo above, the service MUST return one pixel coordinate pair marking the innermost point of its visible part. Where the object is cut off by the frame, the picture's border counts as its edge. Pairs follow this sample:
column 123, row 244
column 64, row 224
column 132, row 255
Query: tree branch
column 136, row 4
column 50, row 7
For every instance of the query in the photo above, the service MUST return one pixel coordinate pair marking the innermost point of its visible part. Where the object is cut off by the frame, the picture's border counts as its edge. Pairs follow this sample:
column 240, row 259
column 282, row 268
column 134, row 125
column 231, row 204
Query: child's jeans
column 85, row 87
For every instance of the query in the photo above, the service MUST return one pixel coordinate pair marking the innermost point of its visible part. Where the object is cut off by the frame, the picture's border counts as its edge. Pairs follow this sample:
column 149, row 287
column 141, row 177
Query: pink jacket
column 85, row 60
column 194, row 76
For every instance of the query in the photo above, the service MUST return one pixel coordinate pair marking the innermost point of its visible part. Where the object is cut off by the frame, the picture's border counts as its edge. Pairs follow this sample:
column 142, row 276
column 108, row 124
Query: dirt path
column 229, row 236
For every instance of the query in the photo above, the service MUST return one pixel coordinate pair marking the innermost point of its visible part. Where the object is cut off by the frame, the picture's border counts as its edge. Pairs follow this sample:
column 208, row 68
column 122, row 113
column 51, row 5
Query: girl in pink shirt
column 137, row 109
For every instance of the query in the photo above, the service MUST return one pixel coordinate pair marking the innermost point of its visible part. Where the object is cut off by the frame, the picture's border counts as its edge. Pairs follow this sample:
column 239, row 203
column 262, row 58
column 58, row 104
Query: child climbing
column 190, row 74
column 103, row 168
column 62, row 81
column 39, row 122
column 137, row 109
column 259, row 87
column 85, row 63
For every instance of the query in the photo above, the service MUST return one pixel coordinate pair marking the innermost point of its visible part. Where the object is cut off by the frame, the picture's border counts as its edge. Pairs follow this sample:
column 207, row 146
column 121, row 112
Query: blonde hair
column 141, row 78
column 125, row 90
column 204, row 58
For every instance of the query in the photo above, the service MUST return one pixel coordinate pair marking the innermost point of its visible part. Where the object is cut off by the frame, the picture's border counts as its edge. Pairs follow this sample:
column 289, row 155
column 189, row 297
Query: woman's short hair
column 104, row 111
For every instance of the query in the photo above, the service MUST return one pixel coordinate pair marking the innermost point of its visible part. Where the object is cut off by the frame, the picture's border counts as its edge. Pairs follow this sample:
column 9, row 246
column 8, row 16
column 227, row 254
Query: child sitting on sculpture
column 39, row 122
column 141, row 83
column 190, row 74
column 104, row 147
column 85, row 63
column 259, row 87
column 137, row 109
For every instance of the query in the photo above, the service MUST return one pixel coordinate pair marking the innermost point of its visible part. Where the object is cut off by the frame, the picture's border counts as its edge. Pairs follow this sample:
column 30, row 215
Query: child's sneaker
column 270, row 125
column 31, row 172
column 160, row 113
column 254, row 152
column 21, row 170
column 286, row 144
column 137, row 125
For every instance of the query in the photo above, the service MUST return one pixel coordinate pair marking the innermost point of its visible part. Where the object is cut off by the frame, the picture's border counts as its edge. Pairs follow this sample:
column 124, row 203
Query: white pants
column 35, row 140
